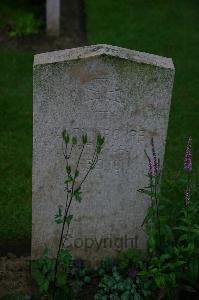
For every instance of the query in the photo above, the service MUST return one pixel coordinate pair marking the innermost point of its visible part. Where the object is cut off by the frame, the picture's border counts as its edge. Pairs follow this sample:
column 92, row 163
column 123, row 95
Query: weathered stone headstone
column 53, row 17
column 125, row 95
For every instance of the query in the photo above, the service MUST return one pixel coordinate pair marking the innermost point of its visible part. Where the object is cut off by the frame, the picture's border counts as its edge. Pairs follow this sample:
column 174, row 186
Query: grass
column 15, row 145
column 19, row 18
column 168, row 28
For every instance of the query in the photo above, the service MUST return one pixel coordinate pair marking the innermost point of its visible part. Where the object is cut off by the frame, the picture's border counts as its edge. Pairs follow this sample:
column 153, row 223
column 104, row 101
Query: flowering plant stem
column 153, row 217
column 72, row 192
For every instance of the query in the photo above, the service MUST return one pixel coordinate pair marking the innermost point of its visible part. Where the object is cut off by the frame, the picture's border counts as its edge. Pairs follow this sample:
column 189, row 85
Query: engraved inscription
column 119, row 145
column 128, row 136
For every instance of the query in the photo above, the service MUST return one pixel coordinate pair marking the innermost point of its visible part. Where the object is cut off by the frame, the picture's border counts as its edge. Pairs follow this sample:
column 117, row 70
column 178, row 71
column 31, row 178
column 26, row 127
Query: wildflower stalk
column 153, row 174
column 73, row 192
column 157, row 213
column 188, row 169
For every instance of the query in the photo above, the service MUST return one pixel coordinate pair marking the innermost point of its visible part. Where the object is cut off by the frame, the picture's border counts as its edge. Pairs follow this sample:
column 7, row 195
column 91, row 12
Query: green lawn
column 15, row 145
column 168, row 28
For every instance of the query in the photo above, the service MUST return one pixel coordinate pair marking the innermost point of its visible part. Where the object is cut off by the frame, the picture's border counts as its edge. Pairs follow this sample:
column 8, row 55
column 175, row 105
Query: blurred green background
column 169, row 28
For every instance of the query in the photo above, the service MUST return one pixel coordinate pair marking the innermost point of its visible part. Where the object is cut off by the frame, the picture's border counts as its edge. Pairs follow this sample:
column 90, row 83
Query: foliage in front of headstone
column 131, row 261
column 80, row 275
column 171, row 262
column 172, row 251
column 117, row 287
column 54, row 276
column 118, row 277
column 16, row 297
column 72, row 275
column 43, row 272
column 73, row 183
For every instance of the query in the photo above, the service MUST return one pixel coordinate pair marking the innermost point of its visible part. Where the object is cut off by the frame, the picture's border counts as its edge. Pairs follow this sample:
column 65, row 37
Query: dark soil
column 72, row 32
column 15, row 279
column 15, row 275
column 20, row 247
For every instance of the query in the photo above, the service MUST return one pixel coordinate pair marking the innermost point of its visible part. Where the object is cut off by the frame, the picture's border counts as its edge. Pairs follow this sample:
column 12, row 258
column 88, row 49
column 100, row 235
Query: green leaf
column 40, row 279
column 195, row 230
column 74, row 140
column 146, row 192
column 87, row 279
column 84, row 138
column 183, row 237
column 65, row 137
column 59, row 221
column 100, row 140
column 160, row 281
column 164, row 257
column 61, row 279
column 58, row 216
column 98, row 149
column 68, row 170
column 69, row 219
column 182, row 228
column 76, row 173
column 191, row 247
column 65, row 257
column 68, row 180
column 77, row 194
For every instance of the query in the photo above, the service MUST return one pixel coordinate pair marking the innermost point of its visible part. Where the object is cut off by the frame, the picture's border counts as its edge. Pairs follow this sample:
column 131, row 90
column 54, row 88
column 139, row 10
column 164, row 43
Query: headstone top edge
column 102, row 49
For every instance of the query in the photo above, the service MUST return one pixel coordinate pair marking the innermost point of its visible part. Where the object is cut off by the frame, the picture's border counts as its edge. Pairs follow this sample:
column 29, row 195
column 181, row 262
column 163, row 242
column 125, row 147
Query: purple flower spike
column 151, row 173
column 188, row 157
column 155, row 163
column 187, row 197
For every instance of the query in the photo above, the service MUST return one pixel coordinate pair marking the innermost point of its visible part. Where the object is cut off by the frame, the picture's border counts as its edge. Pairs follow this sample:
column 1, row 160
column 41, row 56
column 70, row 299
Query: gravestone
column 53, row 17
column 123, row 94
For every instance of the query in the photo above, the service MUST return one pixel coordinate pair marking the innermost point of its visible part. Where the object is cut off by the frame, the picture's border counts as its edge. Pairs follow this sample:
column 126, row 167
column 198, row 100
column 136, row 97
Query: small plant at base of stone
column 118, row 277
column 117, row 287
column 172, row 251
column 52, row 276
column 171, row 262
